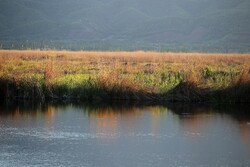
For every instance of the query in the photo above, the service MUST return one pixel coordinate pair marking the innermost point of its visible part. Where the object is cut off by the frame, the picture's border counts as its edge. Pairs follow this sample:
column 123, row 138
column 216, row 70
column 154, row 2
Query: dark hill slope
column 158, row 21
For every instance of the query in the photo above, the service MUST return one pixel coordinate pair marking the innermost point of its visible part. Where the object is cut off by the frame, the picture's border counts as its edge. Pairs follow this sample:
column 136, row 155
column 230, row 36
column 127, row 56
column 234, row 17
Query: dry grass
column 116, row 72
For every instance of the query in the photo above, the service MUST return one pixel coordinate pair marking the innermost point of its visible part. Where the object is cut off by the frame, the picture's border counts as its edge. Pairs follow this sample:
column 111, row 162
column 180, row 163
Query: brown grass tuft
column 244, row 76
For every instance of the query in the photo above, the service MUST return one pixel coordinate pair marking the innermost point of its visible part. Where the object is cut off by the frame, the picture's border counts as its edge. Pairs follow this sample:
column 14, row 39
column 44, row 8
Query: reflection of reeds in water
column 26, row 113
column 245, row 133
column 107, row 118
column 26, row 109
column 104, row 121
column 194, row 117
column 49, row 118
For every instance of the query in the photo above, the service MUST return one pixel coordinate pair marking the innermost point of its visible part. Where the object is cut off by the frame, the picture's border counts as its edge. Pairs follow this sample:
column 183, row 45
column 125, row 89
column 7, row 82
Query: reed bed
column 145, row 76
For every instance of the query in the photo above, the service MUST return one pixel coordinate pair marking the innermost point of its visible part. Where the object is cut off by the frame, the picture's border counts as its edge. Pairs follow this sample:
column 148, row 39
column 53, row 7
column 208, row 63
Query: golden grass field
column 137, row 75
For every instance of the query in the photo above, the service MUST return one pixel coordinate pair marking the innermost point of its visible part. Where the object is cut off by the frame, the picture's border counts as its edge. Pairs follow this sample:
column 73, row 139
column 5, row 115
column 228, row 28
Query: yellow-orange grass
column 137, row 56
column 56, row 63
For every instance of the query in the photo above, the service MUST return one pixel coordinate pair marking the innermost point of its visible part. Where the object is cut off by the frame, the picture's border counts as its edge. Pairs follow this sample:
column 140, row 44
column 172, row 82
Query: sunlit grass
column 122, row 75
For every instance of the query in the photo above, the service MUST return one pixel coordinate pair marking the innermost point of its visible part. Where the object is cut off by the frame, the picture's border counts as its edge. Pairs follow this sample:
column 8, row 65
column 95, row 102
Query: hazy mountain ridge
column 158, row 21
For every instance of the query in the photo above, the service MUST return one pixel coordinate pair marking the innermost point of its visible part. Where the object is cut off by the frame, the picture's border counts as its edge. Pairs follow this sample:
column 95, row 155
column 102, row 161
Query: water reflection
column 107, row 118
column 121, row 134
column 194, row 116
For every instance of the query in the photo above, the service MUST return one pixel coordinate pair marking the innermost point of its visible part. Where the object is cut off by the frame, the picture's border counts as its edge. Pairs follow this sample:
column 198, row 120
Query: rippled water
column 123, row 135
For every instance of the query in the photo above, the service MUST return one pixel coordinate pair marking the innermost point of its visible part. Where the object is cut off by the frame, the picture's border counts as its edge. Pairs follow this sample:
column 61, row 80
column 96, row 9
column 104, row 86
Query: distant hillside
column 209, row 23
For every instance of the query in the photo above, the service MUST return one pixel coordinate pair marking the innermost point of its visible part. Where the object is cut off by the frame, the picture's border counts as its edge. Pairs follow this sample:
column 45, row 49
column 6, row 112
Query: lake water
column 122, row 135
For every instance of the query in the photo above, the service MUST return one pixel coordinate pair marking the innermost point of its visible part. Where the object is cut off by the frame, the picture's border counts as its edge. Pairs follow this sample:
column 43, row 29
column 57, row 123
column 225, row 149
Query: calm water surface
column 123, row 136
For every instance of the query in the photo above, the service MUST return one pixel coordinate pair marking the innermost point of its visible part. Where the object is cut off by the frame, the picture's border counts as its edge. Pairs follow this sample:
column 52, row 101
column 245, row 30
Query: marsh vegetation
column 151, row 76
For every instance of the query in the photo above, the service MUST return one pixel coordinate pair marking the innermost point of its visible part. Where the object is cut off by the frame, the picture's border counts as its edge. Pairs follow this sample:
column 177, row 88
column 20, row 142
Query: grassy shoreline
column 139, row 76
